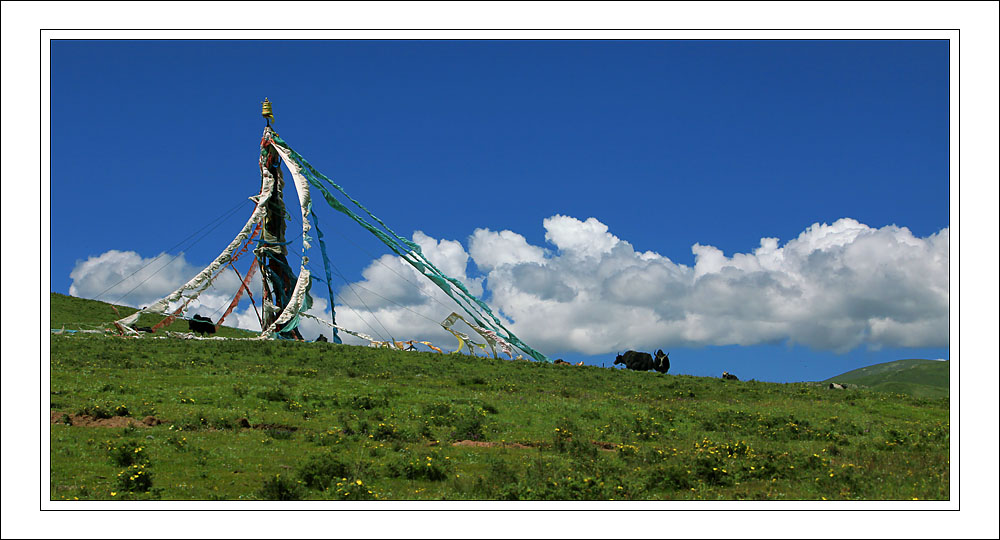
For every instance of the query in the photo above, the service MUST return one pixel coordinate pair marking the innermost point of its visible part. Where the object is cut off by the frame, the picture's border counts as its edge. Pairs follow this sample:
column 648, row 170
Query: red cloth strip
column 239, row 293
column 172, row 316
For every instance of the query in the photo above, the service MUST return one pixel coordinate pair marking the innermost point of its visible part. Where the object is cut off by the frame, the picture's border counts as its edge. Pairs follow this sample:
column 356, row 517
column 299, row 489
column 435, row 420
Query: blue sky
column 620, row 189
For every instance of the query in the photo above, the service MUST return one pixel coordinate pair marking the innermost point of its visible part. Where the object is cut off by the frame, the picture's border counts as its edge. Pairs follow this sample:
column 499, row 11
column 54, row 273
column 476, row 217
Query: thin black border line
column 958, row 258
column 42, row 42
column 424, row 40
column 502, row 30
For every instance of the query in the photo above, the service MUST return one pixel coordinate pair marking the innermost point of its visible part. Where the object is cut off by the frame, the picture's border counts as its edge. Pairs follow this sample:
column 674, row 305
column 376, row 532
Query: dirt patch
column 83, row 420
column 489, row 444
column 244, row 423
column 278, row 427
column 606, row 446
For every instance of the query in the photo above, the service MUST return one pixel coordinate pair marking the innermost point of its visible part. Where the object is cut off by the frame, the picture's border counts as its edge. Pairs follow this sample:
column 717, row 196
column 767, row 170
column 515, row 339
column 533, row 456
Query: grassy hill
column 173, row 419
column 915, row 377
column 72, row 313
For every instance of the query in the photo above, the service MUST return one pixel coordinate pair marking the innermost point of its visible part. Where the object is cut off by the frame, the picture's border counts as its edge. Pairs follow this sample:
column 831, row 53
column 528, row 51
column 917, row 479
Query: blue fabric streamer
column 326, row 266
column 411, row 253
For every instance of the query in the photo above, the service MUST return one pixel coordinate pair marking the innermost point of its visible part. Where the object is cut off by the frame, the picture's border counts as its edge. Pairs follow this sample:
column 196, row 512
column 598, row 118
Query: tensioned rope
column 387, row 267
column 351, row 287
column 220, row 219
column 217, row 222
column 372, row 329
column 407, row 250
column 370, row 311
column 343, row 301
column 300, row 300
column 417, row 313
column 328, row 264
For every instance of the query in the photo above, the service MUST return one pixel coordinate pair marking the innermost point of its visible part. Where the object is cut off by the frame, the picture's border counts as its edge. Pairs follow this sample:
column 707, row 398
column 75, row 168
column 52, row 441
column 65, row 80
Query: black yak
column 634, row 360
column 662, row 361
column 201, row 325
column 729, row 376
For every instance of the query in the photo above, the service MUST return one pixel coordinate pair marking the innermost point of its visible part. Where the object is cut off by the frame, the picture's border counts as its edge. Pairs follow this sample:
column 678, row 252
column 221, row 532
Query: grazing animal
column 662, row 361
column 201, row 325
column 562, row 362
column 729, row 376
column 634, row 360
column 322, row 338
column 837, row 386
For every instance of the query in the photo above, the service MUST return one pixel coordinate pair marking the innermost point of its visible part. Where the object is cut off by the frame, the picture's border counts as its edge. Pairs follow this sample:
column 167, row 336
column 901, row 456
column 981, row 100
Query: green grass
column 915, row 377
column 336, row 422
column 71, row 313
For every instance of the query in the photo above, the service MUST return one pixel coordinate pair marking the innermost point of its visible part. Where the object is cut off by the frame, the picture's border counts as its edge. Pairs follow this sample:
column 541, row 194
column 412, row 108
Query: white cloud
column 394, row 301
column 579, row 238
column 834, row 287
column 127, row 278
column 491, row 249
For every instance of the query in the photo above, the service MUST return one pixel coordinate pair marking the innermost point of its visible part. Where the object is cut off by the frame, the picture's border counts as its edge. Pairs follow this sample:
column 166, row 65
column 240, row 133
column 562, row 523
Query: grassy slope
column 74, row 313
column 327, row 417
column 920, row 378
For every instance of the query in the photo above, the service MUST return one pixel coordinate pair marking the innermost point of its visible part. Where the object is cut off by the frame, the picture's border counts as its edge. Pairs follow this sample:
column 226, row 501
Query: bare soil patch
column 489, row 444
column 278, row 427
column 83, row 420
column 606, row 446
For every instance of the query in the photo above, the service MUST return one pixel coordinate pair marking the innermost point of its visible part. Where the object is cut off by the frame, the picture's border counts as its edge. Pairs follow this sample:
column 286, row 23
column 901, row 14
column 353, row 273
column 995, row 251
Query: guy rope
column 286, row 293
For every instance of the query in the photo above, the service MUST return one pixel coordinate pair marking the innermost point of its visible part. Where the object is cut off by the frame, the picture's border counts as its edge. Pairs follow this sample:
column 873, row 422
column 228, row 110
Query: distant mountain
column 915, row 377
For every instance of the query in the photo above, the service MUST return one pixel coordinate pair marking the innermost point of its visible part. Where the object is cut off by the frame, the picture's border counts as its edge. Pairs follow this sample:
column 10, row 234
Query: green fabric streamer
column 411, row 253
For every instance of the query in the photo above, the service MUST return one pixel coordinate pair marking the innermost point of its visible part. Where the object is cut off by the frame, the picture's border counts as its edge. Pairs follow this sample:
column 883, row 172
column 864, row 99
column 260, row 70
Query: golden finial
column 266, row 112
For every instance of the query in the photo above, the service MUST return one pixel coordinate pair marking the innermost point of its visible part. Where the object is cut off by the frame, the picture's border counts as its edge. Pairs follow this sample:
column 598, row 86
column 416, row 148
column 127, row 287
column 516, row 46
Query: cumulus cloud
column 394, row 301
column 491, row 249
column 834, row 287
column 579, row 238
column 127, row 278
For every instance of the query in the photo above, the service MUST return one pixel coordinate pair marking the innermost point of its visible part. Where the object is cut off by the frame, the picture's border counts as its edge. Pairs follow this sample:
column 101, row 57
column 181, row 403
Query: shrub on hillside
column 127, row 453
column 369, row 401
column 274, row 394
column 104, row 410
column 134, row 478
column 279, row 488
column 431, row 467
column 470, row 425
column 322, row 471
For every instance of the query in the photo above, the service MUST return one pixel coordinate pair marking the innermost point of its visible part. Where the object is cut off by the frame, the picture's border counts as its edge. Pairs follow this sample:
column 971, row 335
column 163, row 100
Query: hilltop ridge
column 913, row 376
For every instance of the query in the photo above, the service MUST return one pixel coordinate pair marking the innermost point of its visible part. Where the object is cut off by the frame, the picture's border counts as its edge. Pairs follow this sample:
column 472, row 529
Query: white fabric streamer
column 490, row 336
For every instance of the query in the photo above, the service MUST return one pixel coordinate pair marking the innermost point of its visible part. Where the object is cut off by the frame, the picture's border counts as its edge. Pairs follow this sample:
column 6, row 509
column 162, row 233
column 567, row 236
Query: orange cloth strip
column 239, row 293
